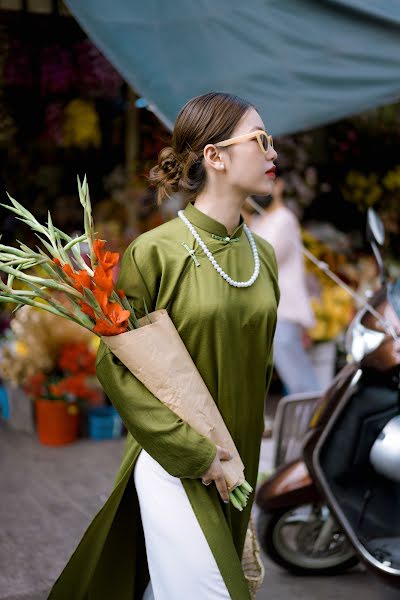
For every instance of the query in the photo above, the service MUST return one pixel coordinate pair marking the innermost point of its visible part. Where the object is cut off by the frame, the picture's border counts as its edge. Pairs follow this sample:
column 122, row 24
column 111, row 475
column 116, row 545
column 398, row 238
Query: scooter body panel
column 364, row 503
column 291, row 485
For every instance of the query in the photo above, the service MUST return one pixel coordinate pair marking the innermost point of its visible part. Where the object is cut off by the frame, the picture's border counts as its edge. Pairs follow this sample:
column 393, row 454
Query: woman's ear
column 213, row 157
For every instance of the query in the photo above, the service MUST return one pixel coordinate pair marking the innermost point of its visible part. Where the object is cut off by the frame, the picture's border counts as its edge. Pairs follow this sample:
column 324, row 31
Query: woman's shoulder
column 160, row 236
column 267, row 253
column 154, row 245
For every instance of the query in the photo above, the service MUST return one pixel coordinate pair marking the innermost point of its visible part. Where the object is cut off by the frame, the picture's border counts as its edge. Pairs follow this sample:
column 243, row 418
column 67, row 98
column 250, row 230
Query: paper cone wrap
column 157, row 356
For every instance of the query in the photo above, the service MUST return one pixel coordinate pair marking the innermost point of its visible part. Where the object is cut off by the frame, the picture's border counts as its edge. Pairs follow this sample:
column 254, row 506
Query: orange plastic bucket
column 57, row 423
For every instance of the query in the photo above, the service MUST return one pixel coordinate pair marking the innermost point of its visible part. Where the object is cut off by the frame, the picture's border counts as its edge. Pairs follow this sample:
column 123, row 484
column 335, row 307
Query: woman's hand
column 216, row 474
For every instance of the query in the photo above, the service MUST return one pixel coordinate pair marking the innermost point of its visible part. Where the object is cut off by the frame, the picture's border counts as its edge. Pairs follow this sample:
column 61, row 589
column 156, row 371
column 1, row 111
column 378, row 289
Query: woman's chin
column 264, row 189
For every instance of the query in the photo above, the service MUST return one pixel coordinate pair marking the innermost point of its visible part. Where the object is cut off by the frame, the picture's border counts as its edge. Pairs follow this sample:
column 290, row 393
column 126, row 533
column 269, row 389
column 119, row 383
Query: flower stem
column 235, row 502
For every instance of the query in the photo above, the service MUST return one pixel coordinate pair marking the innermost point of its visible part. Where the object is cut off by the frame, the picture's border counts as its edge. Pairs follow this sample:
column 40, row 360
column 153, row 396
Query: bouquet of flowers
column 149, row 347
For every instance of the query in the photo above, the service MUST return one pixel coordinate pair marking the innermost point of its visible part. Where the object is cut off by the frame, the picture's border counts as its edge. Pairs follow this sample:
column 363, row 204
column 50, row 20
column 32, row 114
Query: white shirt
column 281, row 229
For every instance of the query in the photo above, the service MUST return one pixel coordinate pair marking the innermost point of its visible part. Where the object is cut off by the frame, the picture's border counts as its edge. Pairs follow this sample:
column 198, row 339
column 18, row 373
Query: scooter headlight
column 360, row 340
column 385, row 452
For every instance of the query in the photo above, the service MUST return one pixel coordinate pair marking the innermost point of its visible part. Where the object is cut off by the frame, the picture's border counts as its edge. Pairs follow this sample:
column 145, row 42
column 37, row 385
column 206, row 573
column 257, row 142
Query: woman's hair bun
column 166, row 174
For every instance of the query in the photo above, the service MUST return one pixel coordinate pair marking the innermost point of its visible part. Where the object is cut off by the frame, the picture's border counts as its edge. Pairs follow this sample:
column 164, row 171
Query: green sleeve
column 176, row 446
column 270, row 365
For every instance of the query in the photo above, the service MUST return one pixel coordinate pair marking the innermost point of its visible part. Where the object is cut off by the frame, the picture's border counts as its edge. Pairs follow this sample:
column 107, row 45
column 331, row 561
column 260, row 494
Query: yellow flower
column 81, row 126
column 332, row 311
column 21, row 348
column 363, row 190
column 392, row 179
column 318, row 332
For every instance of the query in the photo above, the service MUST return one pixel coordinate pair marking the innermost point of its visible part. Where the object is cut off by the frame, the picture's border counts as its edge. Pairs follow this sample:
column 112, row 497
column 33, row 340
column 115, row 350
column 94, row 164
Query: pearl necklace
column 214, row 263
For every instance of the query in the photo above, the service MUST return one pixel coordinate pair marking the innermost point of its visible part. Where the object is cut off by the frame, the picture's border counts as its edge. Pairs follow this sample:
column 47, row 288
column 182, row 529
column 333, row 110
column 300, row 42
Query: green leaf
column 84, row 198
column 29, row 302
column 26, row 250
column 75, row 241
column 80, row 260
column 146, row 311
column 62, row 235
column 10, row 263
column 56, row 272
column 52, row 233
column 79, row 187
column 49, row 283
column 17, row 307
column 63, row 255
column 48, row 247
column 12, row 250
column 83, row 319
column 11, row 277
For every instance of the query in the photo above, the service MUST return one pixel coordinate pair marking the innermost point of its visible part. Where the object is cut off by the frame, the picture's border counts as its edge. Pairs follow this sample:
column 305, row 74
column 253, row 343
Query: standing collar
column 203, row 221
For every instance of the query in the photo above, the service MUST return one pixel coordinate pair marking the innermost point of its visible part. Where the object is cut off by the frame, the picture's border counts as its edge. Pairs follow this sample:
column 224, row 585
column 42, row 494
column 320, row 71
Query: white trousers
column 181, row 564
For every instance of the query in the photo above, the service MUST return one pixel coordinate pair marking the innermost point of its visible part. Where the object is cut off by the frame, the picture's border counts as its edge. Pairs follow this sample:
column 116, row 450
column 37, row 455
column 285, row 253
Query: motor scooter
column 338, row 502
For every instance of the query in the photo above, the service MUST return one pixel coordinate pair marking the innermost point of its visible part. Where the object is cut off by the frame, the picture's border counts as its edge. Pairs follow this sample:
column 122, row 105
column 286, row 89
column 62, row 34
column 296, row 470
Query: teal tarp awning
column 301, row 62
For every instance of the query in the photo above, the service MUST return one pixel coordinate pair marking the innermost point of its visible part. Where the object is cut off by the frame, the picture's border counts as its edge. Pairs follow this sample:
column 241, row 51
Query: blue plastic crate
column 4, row 404
column 104, row 423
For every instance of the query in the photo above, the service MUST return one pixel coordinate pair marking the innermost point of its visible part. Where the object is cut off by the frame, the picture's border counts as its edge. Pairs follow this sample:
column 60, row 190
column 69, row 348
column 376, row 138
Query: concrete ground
column 49, row 496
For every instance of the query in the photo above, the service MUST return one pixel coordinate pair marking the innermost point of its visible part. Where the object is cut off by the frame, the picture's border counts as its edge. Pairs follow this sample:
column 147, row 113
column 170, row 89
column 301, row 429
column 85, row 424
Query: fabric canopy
column 301, row 62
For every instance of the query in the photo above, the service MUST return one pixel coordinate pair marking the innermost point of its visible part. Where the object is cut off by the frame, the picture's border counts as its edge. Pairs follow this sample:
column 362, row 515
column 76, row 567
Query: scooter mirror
column 375, row 228
column 376, row 237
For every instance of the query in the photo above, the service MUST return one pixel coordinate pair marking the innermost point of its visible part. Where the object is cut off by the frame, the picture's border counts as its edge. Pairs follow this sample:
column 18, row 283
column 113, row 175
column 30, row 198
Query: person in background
column 279, row 226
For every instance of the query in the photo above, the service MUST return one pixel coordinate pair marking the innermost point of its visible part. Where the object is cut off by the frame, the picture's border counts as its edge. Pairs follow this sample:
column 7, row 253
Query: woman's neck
column 222, row 209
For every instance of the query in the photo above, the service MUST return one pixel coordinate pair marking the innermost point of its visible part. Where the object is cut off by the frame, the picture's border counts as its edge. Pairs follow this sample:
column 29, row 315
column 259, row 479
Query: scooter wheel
column 288, row 538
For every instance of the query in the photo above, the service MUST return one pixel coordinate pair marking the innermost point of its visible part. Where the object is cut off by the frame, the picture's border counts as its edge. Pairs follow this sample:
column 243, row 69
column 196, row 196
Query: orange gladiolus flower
column 108, row 260
column 104, row 328
column 87, row 309
column 68, row 270
column 118, row 317
column 116, row 313
column 103, row 279
column 102, row 298
column 80, row 279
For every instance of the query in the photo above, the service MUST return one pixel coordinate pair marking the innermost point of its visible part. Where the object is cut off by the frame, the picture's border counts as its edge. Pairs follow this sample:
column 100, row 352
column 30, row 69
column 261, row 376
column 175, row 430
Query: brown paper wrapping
column 157, row 356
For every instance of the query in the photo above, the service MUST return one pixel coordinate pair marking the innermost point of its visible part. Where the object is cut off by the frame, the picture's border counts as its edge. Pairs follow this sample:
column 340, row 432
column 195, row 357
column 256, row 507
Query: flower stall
column 48, row 370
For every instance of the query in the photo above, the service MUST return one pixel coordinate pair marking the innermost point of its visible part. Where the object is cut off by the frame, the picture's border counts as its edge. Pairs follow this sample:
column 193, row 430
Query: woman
column 166, row 532
column 281, row 228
